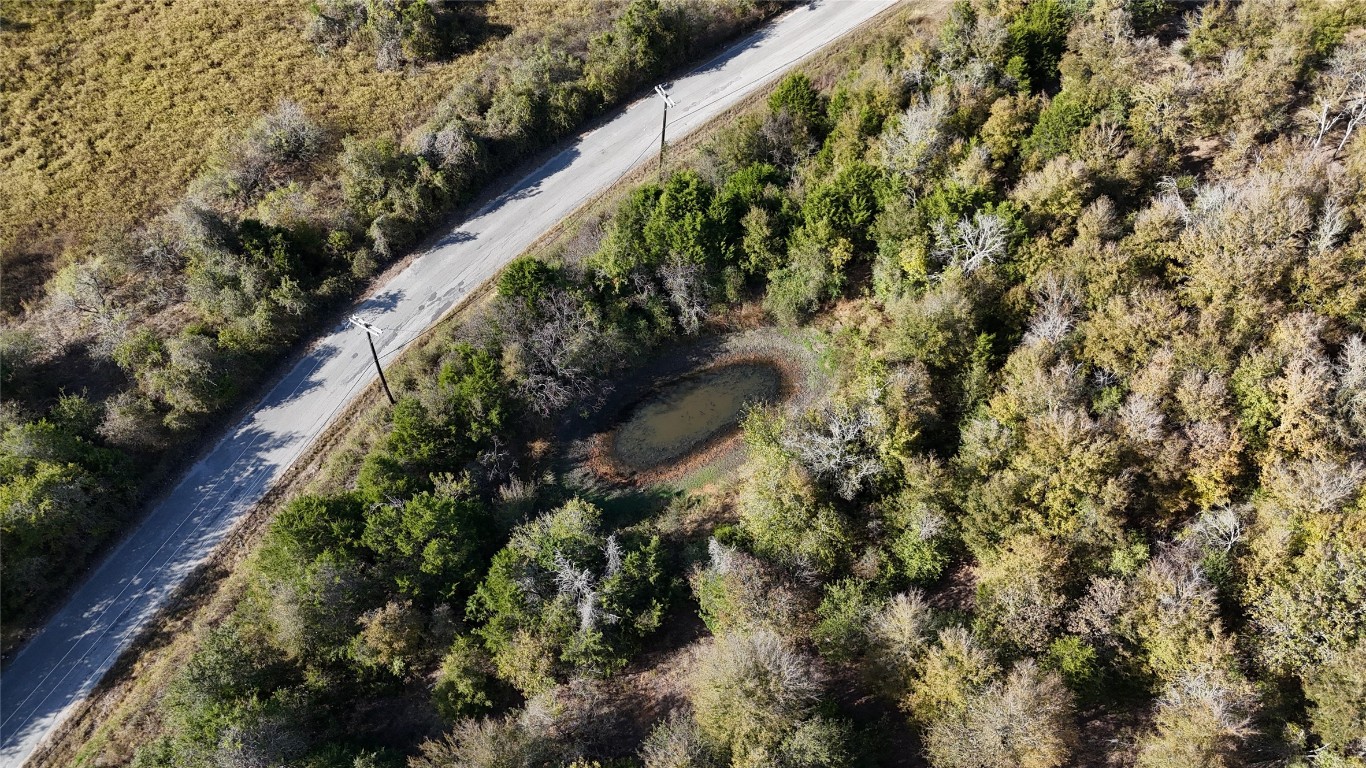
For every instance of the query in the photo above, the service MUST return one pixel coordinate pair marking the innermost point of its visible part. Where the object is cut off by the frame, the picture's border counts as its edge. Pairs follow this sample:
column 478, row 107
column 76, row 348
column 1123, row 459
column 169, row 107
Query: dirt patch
column 656, row 684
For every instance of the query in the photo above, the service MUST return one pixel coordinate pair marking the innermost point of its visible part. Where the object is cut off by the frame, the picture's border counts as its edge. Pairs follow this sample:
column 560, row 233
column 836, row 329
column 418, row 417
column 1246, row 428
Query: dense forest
column 1087, row 485
column 186, row 252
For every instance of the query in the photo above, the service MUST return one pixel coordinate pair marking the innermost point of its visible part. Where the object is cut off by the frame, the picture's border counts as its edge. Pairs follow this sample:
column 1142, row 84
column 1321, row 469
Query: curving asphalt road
column 62, row 663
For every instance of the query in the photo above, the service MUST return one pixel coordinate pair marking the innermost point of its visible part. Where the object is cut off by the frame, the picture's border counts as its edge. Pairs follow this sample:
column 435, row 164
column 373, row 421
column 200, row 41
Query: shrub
column 432, row 545
column 799, row 97
column 797, row 121
column 1036, row 39
column 1020, row 596
column 1058, row 126
column 756, row 696
column 1338, row 692
column 527, row 279
column 900, row 634
column 843, row 616
column 678, row 742
column 1201, row 719
column 788, row 522
column 562, row 596
column 952, row 671
column 390, row 639
column 1074, row 659
column 59, row 492
column 462, row 681
column 643, row 40
column 806, row 282
column 1023, row 722
column 736, row 591
column 516, row 739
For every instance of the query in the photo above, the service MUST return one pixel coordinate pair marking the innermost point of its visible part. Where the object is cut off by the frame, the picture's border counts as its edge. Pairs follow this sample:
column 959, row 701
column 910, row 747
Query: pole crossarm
column 371, row 331
column 369, row 328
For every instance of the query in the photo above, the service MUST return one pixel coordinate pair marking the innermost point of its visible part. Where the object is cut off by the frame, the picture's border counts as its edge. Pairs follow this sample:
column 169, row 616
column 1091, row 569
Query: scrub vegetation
column 1088, row 488
column 187, row 187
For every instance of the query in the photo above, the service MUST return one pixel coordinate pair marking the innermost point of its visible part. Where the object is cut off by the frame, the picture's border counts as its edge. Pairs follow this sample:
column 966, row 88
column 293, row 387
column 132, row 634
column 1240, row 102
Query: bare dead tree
column 1219, row 528
column 1141, row 419
column 1226, row 704
column 1332, row 223
column 677, row 742
column 579, row 586
column 917, row 136
column 685, row 285
column 1321, row 486
column 1025, row 720
column 562, row 349
column 1341, row 98
column 451, row 148
column 265, row 743
column 1351, row 393
column 972, row 243
column 1053, row 320
column 275, row 146
column 838, row 445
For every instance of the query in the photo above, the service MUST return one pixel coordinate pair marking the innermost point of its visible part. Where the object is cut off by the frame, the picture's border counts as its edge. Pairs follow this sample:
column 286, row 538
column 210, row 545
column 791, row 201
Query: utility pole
column 668, row 102
column 371, row 332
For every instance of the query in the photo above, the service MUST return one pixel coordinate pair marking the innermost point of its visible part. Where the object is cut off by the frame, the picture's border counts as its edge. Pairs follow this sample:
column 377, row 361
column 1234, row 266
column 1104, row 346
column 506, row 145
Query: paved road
column 66, row 659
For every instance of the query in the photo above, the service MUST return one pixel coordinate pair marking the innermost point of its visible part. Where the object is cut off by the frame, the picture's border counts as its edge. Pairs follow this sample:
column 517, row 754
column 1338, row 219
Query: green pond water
column 692, row 411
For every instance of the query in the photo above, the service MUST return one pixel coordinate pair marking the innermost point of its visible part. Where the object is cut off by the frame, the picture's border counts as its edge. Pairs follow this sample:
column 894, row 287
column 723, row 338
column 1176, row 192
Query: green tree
column 1023, row 722
column 563, row 596
column 1338, row 692
column 432, row 544
column 643, row 40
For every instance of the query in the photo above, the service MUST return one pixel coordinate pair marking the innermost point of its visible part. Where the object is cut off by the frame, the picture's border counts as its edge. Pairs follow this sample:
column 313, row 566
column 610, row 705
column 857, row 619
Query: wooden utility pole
column 371, row 332
column 663, row 126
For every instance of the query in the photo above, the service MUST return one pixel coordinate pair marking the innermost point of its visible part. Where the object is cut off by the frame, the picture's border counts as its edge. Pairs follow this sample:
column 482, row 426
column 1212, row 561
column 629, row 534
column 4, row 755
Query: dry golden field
column 108, row 109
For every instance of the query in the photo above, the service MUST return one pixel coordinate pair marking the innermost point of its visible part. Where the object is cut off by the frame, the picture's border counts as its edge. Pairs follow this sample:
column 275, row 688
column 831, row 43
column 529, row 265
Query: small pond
column 691, row 412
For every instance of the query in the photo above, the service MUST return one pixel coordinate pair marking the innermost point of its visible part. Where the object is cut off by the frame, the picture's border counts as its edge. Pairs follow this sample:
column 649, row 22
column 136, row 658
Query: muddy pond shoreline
column 588, row 440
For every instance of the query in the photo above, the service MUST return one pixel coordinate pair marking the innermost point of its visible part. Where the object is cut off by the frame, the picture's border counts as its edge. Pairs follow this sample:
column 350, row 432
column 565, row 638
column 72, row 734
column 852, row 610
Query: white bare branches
column 752, row 683
column 1319, row 486
column 1220, row 528
column 1332, row 223
column 917, row 137
column 1053, row 320
column 838, row 445
column 677, row 742
column 1351, row 394
column 1141, row 419
column 1226, row 704
column 1341, row 94
column 1025, row 720
column 562, row 349
column 612, row 550
column 1323, row 116
column 572, row 581
column 579, row 587
column 972, row 243
column 275, row 146
column 722, row 557
column 685, row 285
column 1179, row 583
column 451, row 147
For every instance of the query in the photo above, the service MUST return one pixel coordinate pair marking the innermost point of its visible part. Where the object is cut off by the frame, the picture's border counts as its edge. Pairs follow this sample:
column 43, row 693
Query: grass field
column 108, row 109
